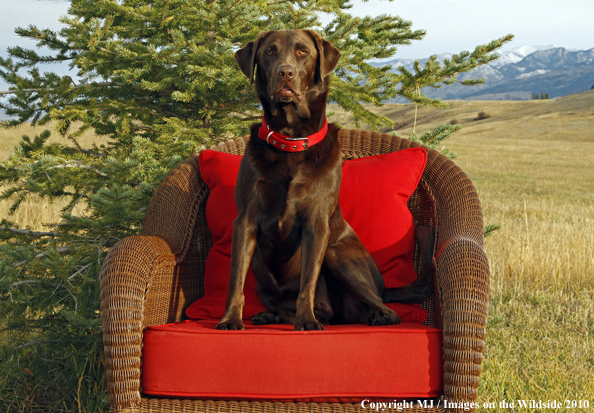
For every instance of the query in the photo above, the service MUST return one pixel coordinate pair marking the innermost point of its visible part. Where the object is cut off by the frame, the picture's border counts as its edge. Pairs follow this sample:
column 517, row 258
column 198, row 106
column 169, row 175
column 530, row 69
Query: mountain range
column 518, row 74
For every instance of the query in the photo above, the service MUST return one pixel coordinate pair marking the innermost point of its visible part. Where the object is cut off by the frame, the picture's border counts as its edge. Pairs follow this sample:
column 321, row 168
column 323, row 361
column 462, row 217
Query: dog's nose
column 286, row 72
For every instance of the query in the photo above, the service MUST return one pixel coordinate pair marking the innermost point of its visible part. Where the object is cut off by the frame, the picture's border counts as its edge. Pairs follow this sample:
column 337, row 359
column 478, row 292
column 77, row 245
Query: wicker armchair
column 152, row 278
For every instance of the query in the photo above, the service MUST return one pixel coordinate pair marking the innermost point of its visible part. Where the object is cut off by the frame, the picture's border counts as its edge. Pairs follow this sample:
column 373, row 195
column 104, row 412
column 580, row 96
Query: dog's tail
column 419, row 289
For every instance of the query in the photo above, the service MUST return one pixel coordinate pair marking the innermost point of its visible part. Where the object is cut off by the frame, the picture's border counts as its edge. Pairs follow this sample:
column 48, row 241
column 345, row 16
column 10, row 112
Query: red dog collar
column 284, row 143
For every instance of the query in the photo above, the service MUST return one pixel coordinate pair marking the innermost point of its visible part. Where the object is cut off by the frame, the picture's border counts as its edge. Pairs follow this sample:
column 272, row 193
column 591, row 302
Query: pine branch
column 79, row 272
column 79, row 164
column 62, row 250
column 49, row 90
column 490, row 229
column 435, row 74
column 28, row 282
column 32, row 233
column 45, row 341
column 73, row 297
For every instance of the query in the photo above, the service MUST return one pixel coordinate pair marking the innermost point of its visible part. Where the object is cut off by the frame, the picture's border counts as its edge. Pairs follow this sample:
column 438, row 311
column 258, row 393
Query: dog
column 310, row 266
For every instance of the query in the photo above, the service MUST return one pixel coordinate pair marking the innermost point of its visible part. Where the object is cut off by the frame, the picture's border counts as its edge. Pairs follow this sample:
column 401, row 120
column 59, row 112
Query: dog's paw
column 230, row 324
column 310, row 323
column 266, row 317
column 383, row 317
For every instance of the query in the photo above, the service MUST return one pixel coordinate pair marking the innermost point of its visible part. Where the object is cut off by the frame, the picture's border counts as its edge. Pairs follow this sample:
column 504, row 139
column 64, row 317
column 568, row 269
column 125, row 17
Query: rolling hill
column 568, row 118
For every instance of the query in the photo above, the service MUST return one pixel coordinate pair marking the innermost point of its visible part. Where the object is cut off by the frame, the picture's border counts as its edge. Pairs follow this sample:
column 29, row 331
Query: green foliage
column 491, row 228
column 432, row 138
column 158, row 80
column 435, row 74
column 542, row 96
column 49, row 282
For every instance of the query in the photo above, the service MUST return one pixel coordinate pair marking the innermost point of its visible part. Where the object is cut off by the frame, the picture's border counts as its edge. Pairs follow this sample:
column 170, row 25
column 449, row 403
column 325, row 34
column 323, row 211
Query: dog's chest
column 292, row 189
column 284, row 201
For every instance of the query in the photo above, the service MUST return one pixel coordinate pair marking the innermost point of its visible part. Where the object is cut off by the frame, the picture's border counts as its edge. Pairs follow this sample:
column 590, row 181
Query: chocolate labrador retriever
column 310, row 266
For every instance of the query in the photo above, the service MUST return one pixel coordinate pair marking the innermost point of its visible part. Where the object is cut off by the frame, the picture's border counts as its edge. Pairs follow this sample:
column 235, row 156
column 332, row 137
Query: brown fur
column 310, row 266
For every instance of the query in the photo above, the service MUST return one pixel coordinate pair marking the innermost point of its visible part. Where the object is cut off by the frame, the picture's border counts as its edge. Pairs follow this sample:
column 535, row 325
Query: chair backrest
column 190, row 238
column 421, row 203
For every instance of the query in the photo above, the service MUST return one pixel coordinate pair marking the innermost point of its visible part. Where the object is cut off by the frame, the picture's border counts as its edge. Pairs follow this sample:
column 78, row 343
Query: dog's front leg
column 314, row 242
column 242, row 250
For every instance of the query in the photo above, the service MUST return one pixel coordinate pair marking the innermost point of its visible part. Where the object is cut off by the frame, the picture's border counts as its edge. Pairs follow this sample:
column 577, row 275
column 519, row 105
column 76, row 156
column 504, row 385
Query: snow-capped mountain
column 519, row 73
column 517, row 54
column 507, row 57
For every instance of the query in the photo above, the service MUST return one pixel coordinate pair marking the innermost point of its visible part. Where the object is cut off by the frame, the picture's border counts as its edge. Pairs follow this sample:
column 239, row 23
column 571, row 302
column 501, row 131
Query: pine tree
column 158, row 80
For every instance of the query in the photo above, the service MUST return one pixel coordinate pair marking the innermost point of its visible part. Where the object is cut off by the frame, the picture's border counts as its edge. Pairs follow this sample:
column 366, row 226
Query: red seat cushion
column 345, row 363
column 373, row 200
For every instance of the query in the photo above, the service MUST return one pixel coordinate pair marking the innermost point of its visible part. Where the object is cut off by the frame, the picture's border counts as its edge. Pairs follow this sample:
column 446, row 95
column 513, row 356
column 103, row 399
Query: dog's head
column 287, row 64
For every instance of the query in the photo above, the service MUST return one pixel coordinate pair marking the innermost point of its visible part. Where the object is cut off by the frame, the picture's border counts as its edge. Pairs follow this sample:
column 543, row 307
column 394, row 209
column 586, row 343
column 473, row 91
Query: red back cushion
column 373, row 200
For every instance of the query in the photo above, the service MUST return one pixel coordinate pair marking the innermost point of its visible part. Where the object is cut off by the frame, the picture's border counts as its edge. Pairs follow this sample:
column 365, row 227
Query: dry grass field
column 532, row 163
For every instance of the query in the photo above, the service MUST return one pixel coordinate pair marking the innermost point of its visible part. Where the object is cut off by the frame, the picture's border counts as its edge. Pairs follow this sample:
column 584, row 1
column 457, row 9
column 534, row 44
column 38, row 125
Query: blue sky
column 452, row 25
column 456, row 25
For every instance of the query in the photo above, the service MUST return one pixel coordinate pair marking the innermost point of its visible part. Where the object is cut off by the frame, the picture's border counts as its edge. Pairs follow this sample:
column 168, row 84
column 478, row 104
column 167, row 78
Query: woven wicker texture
column 152, row 278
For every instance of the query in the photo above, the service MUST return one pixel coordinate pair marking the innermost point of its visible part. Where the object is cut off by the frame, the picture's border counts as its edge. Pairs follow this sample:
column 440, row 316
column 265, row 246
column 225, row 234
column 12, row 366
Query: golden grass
column 542, row 245
column 34, row 213
column 542, row 193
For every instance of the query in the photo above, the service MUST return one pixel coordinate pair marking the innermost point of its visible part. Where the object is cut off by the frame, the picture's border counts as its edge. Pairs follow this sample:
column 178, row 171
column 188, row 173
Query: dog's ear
column 328, row 57
column 246, row 57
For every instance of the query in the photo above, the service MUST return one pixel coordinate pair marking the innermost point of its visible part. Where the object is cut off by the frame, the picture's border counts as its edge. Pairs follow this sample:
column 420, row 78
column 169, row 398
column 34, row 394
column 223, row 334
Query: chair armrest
column 173, row 209
column 129, row 268
column 462, row 276
column 463, row 279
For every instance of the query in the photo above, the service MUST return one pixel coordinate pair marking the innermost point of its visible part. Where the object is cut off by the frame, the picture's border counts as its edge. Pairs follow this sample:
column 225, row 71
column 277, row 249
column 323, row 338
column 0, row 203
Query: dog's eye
column 302, row 52
column 269, row 52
